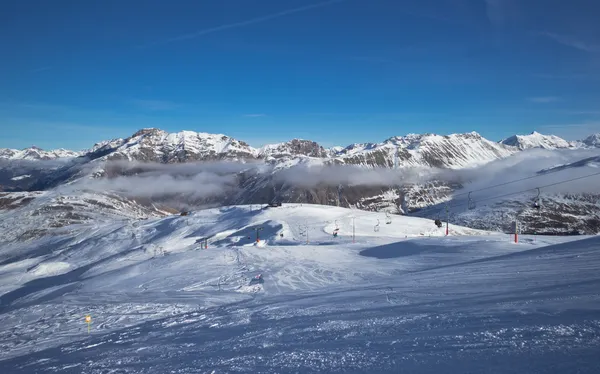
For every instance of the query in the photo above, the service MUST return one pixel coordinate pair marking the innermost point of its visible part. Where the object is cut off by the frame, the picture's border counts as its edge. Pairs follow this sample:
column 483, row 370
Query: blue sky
column 76, row 72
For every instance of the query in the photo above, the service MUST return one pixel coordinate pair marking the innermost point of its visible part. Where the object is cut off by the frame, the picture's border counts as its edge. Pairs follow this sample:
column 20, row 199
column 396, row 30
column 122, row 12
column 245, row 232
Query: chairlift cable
column 510, row 182
column 522, row 191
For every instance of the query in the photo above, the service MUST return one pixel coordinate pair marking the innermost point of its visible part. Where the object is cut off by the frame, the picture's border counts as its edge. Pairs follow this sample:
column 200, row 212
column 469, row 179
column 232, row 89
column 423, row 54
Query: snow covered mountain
column 35, row 153
column 592, row 141
column 429, row 150
column 293, row 148
column 453, row 151
column 537, row 140
column 155, row 145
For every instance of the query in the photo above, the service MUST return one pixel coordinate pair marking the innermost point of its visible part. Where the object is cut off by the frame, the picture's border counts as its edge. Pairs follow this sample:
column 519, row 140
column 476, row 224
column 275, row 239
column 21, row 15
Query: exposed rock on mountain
column 293, row 148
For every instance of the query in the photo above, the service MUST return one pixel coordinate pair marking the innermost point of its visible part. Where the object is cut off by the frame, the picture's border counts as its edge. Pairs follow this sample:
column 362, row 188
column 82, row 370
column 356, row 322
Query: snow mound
column 47, row 269
column 20, row 177
column 255, row 288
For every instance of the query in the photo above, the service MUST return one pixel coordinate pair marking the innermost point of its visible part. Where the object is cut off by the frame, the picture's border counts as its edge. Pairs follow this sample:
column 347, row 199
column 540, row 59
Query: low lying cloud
column 183, row 169
column 200, row 185
column 154, row 180
column 533, row 168
column 201, row 180
column 308, row 176
column 211, row 179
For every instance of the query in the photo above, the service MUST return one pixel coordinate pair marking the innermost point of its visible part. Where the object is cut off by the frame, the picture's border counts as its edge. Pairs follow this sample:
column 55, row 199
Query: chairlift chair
column 538, row 201
column 388, row 218
column 438, row 220
column 471, row 204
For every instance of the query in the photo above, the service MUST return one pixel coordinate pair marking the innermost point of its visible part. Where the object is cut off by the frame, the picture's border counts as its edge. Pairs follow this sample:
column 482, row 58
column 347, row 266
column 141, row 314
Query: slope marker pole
column 516, row 229
column 447, row 220
column 306, row 232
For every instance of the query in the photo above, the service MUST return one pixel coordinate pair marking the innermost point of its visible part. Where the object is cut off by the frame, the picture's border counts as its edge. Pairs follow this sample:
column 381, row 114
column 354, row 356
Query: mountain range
column 448, row 151
column 34, row 175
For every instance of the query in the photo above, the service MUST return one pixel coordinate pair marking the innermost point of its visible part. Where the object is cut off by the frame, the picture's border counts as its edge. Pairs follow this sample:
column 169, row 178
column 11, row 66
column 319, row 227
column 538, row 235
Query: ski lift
column 538, row 201
column 388, row 219
column 377, row 226
column 471, row 204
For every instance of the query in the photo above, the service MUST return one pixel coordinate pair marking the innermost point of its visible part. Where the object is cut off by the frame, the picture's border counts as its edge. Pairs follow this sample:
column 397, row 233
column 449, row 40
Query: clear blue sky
column 76, row 72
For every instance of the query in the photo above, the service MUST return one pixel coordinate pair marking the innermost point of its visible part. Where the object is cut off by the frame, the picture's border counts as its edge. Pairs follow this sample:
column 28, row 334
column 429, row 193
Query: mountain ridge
column 191, row 145
column 538, row 140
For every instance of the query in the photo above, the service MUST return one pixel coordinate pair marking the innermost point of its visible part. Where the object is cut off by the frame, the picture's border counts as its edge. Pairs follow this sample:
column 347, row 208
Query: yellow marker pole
column 88, row 320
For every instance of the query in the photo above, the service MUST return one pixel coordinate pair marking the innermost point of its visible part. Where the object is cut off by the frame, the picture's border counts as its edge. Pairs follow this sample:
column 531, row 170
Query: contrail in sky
column 242, row 23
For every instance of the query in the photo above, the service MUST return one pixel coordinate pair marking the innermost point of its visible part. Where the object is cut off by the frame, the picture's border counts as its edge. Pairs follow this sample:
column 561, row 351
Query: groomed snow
column 400, row 298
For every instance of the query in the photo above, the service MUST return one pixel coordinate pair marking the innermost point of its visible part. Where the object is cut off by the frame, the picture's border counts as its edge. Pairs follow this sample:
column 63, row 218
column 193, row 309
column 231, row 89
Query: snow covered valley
column 398, row 297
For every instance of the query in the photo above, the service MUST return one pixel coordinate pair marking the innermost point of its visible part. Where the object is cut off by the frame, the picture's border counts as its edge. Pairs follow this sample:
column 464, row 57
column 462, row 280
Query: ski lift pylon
column 471, row 204
column 538, row 201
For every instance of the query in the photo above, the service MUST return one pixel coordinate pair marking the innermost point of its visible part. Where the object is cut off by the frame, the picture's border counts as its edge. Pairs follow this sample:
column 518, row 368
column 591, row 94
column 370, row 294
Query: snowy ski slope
column 400, row 298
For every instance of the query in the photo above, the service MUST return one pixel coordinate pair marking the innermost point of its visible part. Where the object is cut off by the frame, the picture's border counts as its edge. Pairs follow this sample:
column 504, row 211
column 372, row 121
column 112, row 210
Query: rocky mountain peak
column 592, row 140
column 147, row 131
column 536, row 140
column 294, row 147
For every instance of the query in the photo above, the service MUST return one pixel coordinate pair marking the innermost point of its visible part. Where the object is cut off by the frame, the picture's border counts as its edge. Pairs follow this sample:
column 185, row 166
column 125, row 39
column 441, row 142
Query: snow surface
column 404, row 298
